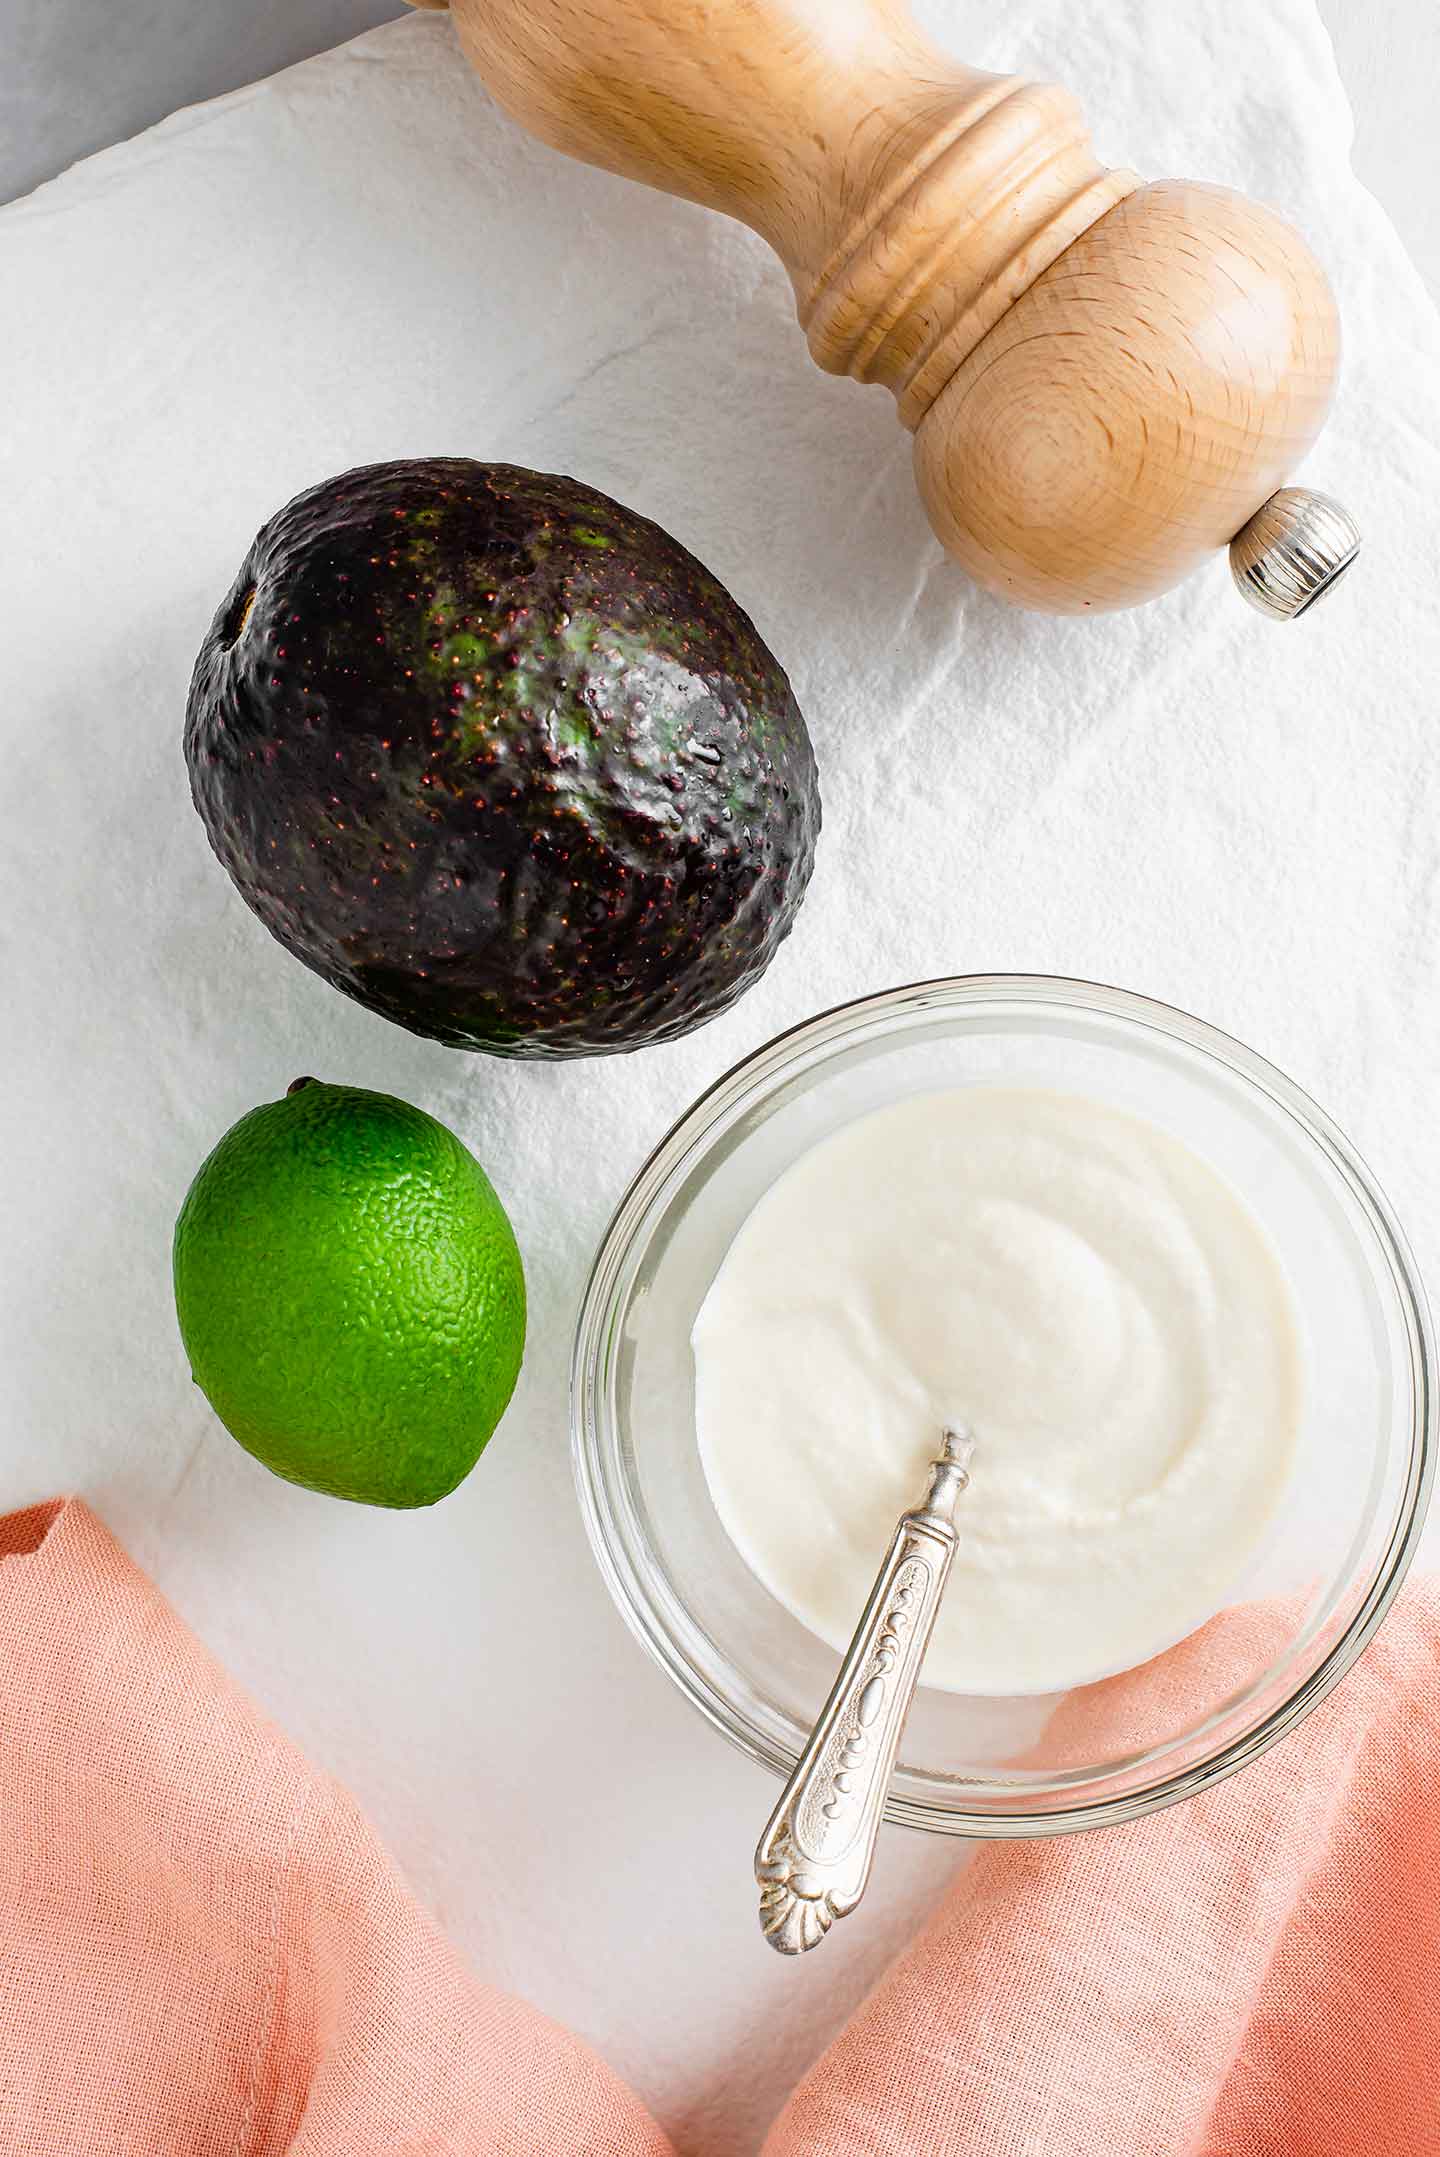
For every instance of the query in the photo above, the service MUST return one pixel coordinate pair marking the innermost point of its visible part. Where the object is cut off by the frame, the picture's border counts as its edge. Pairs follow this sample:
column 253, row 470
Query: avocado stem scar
column 235, row 627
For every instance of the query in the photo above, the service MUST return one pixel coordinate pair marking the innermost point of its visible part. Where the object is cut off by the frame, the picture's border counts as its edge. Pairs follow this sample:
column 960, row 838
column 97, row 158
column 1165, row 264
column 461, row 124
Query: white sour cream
column 1077, row 1287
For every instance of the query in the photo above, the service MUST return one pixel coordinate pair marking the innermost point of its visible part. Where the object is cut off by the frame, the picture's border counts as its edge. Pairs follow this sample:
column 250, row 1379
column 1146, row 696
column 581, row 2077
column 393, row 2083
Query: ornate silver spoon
column 814, row 1858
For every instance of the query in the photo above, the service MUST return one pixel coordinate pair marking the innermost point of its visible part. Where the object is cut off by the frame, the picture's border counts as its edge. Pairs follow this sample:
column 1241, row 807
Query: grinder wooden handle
column 1106, row 381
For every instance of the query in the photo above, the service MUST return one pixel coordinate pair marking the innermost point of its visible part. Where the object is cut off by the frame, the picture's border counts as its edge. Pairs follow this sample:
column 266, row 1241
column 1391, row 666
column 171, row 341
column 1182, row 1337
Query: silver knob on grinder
column 1294, row 549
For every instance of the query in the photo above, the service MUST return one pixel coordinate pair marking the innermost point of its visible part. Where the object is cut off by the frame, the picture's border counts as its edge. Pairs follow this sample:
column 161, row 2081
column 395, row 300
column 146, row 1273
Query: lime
column 350, row 1294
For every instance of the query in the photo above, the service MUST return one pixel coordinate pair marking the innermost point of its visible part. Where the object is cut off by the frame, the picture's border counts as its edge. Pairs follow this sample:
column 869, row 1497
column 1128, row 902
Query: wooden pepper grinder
column 1105, row 380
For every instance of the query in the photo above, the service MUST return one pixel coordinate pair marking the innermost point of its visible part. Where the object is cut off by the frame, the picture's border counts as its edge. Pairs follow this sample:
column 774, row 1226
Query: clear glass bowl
column 1328, row 1572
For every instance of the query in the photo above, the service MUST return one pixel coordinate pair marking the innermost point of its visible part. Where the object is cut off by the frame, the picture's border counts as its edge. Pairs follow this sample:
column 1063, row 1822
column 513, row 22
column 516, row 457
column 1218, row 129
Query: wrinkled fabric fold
column 204, row 1950
column 1254, row 1973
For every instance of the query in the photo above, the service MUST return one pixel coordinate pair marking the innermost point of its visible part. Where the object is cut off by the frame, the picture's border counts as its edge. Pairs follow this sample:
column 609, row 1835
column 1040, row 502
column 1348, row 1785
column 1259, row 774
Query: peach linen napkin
column 1254, row 1973
column 203, row 1948
column 204, row 1951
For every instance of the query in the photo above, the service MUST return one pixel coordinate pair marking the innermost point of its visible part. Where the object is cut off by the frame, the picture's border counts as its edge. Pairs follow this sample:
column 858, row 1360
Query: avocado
column 501, row 760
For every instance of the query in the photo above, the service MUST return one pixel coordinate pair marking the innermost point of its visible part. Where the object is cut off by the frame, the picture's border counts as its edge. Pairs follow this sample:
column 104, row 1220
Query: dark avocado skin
column 501, row 760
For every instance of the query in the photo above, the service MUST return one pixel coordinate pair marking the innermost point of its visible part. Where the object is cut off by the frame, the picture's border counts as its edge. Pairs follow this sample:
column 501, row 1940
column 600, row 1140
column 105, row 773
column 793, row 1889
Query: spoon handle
column 814, row 1858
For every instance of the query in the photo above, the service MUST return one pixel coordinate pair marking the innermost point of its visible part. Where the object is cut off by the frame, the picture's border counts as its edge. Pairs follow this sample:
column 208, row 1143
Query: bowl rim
column 830, row 1029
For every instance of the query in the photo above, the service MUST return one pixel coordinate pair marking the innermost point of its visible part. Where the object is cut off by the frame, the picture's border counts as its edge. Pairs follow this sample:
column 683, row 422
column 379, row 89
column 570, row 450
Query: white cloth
column 361, row 259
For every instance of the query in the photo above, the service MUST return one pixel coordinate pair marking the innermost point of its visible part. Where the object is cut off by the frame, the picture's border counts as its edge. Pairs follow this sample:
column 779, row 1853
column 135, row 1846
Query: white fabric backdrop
column 362, row 259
